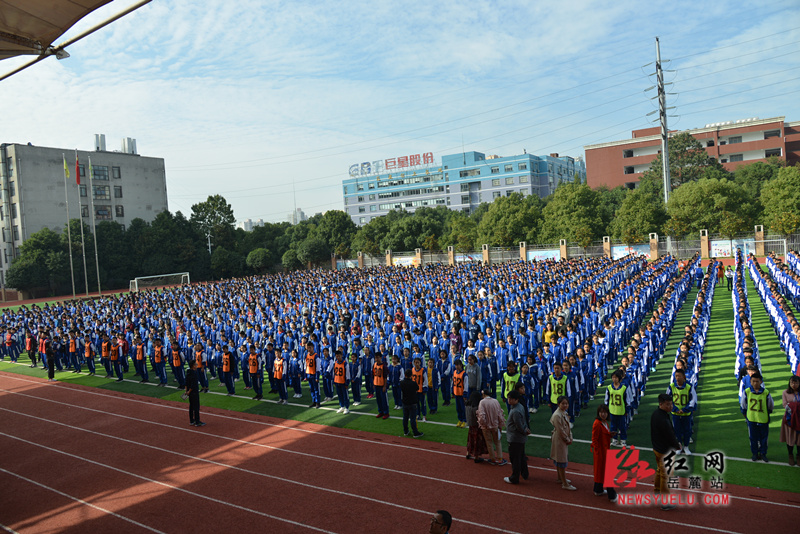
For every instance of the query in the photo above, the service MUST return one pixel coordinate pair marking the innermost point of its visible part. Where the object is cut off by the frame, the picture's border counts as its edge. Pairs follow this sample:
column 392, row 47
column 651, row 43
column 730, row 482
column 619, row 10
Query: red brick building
column 732, row 143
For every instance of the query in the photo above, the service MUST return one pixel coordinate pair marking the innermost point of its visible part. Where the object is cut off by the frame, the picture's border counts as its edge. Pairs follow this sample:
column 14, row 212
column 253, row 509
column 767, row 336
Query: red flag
column 77, row 169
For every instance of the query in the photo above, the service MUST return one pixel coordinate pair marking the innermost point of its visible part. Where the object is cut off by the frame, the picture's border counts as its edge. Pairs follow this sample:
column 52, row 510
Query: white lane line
column 317, row 432
column 347, row 462
column 81, row 501
column 164, row 484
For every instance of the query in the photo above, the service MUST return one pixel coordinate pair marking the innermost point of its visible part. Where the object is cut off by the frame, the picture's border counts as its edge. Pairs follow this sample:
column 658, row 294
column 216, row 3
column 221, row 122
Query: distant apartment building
column 460, row 182
column 732, row 143
column 124, row 186
column 248, row 224
column 296, row 217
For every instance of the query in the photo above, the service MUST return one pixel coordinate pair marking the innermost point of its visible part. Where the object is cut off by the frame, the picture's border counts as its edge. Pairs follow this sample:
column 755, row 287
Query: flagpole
column 69, row 235
column 80, row 219
column 94, row 230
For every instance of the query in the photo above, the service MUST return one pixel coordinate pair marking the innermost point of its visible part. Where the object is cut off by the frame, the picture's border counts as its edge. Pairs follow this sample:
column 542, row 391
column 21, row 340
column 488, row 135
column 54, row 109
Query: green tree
column 753, row 176
column 289, row 260
column 337, row 229
column 462, row 233
column 226, row 263
column 688, row 162
column 609, row 201
column 313, row 250
column 572, row 207
column 706, row 204
column 31, row 270
column 508, row 221
column 259, row 260
column 214, row 216
column 641, row 213
column 781, row 199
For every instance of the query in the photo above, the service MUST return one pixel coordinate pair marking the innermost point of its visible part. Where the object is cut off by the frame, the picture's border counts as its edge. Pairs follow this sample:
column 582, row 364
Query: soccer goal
column 159, row 280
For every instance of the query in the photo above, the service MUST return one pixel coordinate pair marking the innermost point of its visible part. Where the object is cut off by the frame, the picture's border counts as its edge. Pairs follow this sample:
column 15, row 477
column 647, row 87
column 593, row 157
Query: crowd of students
column 546, row 330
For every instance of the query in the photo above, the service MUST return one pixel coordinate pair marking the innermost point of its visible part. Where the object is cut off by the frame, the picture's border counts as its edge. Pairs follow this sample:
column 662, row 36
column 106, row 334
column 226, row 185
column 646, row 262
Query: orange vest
column 140, row 351
column 339, row 374
column 458, row 383
column 87, row 351
column 417, row 376
column 105, row 349
column 311, row 364
column 253, row 360
column 176, row 358
column 198, row 357
column 29, row 343
column 278, row 373
column 226, row 362
column 379, row 374
column 114, row 354
column 158, row 353
column 42, row 345
column 72, row 347
column 8, row 340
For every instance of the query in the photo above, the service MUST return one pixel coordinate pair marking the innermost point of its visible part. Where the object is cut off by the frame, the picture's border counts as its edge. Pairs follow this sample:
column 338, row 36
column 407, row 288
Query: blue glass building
column 461, row 182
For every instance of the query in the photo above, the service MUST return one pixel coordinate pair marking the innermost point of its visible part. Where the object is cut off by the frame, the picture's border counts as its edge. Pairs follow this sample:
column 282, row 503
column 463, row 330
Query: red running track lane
column 124, row 463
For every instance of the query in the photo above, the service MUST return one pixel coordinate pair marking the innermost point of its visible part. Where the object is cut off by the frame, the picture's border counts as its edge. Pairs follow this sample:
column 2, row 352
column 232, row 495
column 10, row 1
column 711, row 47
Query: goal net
column 159, row 280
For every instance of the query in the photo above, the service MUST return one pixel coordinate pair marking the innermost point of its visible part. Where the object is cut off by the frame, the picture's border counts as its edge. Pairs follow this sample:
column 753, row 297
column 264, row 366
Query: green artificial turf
column 719, row 425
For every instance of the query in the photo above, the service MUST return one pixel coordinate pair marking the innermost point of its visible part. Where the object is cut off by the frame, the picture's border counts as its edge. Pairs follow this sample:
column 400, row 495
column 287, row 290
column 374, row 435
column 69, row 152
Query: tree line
column 704, row 196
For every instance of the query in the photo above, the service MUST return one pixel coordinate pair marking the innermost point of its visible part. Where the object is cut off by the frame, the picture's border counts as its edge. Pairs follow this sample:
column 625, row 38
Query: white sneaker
column 623, row 443
column 572, row 425
column 356, row 404
column 424, row 419
column 346, row 411
column 340, row 410
column 397, row 407
column 530, row 410
column 535, row 410
column 691, row 440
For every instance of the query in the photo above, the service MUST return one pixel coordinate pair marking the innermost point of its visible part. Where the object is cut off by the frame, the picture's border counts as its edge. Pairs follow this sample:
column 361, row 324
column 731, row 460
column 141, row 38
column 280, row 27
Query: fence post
column 360, row 260
column 388, row 257
column 333, row 262
column 562, row 245
column 523, row 251
column 451, row 256
column 653, row 247
column 759, row 240
column 418, row 252
column 485, row 254
column 704, row 248
column 607, row 246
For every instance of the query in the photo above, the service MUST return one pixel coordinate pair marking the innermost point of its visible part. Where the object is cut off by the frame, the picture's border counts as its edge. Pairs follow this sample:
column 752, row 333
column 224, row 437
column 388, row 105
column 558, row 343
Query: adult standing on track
column 51, row 360
column 560, row 441
column 517, row 435
column 789, row 431
column 491, row 420
column 601, row 442
column 193, row 391
column 662, row 436
column 408, row 389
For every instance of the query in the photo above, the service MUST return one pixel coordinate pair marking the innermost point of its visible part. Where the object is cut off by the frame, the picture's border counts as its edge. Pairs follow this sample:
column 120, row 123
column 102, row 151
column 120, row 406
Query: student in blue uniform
column 757, row 405
column 445, row 368
column 684, row 403
column 355, row 379
column 433, row 387
column 618, row 399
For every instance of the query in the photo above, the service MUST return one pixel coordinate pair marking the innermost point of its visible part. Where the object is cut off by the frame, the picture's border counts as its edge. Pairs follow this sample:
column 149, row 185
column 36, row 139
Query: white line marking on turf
column 81, row 501
column 316, row 456
column 176, row 488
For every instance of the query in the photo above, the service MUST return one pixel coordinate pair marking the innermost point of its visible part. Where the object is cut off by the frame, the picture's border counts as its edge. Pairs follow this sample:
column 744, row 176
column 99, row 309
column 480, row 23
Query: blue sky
column 253, row 100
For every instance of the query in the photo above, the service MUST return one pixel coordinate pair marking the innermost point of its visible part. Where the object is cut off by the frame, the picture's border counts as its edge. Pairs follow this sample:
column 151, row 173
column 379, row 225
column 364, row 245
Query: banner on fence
column 543, row 255
column 346, row 264
column 405, row 261
column 460, row 258
column 619, row 251
column 724, row 248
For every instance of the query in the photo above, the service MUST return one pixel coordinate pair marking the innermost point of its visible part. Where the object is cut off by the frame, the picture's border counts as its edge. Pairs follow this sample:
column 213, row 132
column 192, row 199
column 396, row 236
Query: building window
column 736, row 157
column 523, row 166
column 465, row 199
column 495, row 182
column 10, row 166
column 509, row 192
column 345, row 201
column 464, row 187
column 772, row 152
column 360, row 187
column 510, row 180
column 371, row 185
column 734, row 140
column 120, row 210
column 11, row 189
column 509, row 168
column 13, row 211
column 471, row 172
column 102, row 213
column 495, row 170
column 82, row 189
column 116, row 173
column 361, row 199
column 627, row 153
column 628, row 170
column 362, row 220
column 523, row 179
column 84, row 211
column 496, row 194
column 373, row 208
column 82, row 170
column 4, row 235
column 523, row 191
column 372, row 197
column 550, row 168
column 16, row 232
column 772, row 133
column 117, row 191
column 101, row 192
column 100, row 172
column 362, row 209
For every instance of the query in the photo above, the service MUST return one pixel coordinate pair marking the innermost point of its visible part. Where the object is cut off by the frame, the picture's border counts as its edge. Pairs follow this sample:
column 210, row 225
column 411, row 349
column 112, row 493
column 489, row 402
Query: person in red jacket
column 601, row 442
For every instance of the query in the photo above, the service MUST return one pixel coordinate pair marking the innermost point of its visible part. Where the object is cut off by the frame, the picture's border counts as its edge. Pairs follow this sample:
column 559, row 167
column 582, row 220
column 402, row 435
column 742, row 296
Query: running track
column 77, row 459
